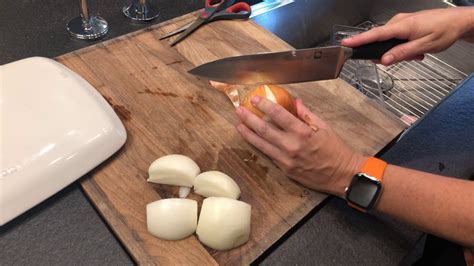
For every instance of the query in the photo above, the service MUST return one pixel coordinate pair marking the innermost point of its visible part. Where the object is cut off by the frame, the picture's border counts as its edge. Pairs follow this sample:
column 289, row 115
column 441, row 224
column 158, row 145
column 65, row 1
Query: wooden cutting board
column 165, row 110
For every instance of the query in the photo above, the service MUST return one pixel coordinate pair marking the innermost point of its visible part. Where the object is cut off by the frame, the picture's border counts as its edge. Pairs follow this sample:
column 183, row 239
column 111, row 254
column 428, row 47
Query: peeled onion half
column 173, row 169
column 216, row 184
column 224, row 223
column 273, row 93
column 172, row 219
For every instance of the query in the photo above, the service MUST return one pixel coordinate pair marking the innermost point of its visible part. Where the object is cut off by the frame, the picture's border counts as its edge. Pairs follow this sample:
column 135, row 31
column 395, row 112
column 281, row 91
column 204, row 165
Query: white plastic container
column 54, row 128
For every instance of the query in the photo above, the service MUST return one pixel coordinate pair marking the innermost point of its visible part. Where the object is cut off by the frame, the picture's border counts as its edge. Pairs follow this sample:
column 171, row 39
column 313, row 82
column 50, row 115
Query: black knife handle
column 373, row 51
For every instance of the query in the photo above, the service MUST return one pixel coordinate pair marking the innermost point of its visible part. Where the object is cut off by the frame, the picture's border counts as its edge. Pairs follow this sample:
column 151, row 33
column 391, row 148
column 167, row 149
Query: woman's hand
column 429, row 31
column 309, row 152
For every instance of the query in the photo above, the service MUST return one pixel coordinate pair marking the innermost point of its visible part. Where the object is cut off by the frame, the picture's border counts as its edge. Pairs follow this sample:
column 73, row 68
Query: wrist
column 353, row 167
column 468, row 22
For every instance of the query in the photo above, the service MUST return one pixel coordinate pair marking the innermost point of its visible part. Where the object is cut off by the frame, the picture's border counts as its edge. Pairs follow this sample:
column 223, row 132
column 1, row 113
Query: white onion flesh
column 216, row 184
column 184, row 192
column 224, row 223
column 173, row 169
column 269, row 94
column 172, row 219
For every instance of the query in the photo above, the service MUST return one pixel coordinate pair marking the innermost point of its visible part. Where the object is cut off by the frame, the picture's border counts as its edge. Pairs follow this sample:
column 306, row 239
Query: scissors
column 214, row 10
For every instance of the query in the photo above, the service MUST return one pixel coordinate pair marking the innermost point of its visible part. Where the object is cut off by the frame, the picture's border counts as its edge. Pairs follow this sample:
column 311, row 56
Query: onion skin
column 219, row 85
column 273, row 93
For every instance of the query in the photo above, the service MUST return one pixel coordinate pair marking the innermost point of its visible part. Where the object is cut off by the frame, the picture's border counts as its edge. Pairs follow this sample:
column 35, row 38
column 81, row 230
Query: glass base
column 141, row 13
column 98, row 27
column 375, row 84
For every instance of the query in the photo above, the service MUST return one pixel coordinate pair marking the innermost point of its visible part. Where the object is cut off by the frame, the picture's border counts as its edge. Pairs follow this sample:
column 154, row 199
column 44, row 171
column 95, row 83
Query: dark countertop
column 66, row 229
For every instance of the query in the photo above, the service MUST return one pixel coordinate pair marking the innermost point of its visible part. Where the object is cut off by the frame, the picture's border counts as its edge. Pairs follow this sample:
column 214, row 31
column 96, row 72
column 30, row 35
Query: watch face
column 364, row 191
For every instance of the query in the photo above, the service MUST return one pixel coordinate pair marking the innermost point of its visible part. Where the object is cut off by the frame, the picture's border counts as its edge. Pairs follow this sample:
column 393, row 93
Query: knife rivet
column 318, row 55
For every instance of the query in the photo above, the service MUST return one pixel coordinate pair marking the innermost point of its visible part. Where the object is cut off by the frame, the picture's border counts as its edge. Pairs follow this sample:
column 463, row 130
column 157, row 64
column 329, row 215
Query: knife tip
column 195, row 71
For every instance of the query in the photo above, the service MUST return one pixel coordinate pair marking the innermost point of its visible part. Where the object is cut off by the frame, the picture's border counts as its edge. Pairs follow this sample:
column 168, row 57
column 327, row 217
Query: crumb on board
column 252, row 158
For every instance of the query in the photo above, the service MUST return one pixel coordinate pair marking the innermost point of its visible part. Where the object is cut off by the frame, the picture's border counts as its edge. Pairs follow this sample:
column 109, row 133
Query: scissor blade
column 179, row 30
column 277, row 68
column 188, row 31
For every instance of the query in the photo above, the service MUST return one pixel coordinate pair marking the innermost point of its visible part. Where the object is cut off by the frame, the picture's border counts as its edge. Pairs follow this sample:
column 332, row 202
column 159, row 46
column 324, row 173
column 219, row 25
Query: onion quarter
column 216, row 184
column 172, row 219
column 224, row 223
column 173, row 169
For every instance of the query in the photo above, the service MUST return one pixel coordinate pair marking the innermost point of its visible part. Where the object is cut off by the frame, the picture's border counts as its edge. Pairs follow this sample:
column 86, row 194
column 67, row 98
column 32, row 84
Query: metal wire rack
column 415, row 87
column 407, row 89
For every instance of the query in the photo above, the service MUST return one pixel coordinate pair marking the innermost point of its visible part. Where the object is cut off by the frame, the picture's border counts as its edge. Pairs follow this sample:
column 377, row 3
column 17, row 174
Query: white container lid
column 54, row 128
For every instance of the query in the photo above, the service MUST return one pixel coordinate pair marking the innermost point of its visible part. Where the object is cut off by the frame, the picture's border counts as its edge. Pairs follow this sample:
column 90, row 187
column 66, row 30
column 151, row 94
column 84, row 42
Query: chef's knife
column 290, row 66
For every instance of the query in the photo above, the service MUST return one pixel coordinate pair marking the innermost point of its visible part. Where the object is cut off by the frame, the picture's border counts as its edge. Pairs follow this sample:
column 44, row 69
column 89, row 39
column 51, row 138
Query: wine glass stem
column 85, row 14
column 141, row 7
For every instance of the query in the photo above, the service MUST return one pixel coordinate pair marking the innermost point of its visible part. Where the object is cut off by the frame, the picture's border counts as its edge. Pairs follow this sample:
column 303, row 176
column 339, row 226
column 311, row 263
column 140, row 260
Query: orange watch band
column 374, row 167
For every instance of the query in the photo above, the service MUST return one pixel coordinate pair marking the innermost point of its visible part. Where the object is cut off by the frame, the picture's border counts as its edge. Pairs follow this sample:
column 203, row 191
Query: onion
column 224, row 223
column 173, row 169
column 273, row 93
column 216, row 184
column 172, row 219
column 219, row 85
column 184, row 192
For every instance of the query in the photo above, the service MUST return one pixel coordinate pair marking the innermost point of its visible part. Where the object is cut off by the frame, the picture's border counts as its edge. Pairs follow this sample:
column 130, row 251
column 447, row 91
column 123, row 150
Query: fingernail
column 388, row 59
column 255, row 100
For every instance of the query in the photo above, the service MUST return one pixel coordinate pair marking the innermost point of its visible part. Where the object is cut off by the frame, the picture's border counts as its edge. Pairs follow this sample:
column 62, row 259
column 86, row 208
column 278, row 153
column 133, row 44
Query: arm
column 429, row 31
column 317, row 158
column 438, row 205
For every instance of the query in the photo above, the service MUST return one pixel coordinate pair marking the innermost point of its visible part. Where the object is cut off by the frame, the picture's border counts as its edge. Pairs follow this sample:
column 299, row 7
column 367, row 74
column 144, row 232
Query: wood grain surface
column 166, row 110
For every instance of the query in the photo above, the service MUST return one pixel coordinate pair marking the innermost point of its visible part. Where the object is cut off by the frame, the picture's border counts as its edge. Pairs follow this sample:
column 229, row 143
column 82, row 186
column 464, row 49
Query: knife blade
column 293, row 66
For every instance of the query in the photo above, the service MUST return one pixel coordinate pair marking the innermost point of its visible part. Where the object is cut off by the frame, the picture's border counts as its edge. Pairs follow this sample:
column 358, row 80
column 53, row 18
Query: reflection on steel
column 449, row 2
column 268, row 5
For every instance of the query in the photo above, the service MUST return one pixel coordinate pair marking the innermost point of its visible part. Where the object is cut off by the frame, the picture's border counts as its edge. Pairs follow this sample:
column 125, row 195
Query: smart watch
column 366, row 186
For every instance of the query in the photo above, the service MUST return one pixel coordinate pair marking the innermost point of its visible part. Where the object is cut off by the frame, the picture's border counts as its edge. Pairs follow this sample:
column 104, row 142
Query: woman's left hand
column 309, row 152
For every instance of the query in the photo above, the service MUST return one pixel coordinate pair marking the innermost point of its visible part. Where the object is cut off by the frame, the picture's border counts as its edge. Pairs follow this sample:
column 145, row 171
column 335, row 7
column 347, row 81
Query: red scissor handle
column 213, row 3
column 240, row 7
column 240, row 10
column 213, row 6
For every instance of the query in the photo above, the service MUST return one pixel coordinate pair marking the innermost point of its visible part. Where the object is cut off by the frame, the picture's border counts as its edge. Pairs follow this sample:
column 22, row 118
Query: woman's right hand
column 428, row 31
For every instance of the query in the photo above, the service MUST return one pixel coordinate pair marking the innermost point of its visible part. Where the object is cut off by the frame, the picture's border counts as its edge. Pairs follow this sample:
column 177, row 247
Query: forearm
column 435, row 204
